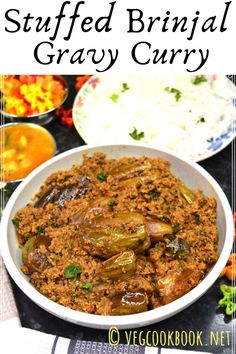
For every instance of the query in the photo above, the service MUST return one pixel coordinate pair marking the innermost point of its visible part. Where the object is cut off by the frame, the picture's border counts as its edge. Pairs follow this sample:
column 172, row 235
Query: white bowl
column 191, row 173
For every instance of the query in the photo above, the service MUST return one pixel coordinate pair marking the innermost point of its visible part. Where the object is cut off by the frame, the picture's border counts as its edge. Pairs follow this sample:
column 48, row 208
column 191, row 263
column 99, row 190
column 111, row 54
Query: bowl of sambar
column 24, row 146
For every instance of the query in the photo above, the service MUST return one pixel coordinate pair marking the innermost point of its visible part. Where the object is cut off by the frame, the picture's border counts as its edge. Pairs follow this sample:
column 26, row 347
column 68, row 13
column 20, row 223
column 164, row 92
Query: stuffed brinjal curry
column 117, row 237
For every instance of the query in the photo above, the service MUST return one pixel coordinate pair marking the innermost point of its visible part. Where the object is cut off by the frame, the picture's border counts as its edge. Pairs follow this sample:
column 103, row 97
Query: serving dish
column 165, row 112
column 192, row 174
column 39, row 118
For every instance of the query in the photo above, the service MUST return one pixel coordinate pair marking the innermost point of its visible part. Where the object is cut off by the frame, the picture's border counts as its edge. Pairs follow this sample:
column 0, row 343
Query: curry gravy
column 23, row 148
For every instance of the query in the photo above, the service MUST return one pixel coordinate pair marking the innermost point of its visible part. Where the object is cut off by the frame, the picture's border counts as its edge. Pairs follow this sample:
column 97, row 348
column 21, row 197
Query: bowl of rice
column 194, row 116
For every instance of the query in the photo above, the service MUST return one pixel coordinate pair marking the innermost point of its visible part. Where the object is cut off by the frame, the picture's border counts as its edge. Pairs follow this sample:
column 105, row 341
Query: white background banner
column 90, row 36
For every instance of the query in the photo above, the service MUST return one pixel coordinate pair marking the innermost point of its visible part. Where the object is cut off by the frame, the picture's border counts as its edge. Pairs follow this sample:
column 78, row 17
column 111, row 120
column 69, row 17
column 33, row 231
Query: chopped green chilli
column 228, row 300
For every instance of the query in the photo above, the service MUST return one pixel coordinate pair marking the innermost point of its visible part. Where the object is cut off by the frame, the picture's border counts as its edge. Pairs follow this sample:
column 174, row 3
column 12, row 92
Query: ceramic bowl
column 191, row 173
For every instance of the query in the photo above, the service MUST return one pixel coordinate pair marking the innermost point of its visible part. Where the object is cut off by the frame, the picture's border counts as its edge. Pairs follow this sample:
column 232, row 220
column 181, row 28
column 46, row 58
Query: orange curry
column 23, row 148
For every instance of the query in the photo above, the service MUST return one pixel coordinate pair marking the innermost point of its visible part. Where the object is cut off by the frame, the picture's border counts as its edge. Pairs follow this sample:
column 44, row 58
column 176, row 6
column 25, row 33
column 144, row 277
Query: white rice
column 202, row 113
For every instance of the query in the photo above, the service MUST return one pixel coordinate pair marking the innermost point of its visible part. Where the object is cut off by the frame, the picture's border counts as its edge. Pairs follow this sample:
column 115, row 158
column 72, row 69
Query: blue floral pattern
column 223, row 139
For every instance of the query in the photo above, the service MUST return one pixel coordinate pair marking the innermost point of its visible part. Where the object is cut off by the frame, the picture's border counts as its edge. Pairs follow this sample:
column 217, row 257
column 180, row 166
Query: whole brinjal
column 117, row 266
column 60, row 195
column 128, row 171
column 34, row 253
column 109, row 236
column 129, row 302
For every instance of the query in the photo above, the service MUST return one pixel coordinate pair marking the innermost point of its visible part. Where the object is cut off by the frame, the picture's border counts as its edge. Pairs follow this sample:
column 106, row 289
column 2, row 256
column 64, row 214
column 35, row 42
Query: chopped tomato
column 230, row 269
column 230, row 272
column 232, row 258
column 80, row 80
column 31, row 94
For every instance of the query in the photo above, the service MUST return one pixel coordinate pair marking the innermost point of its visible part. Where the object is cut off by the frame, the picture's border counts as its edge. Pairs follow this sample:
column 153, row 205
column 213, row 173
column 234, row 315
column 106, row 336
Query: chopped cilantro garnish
column 71, row 271
column 125, row 87
column 16, row 223
column 175, row 228
column 114, row 97
column 154, row 194
column 102, row 176
column 163, row 218
column 39, row 230
column 112, row 202
column 199, row 80
column 87, row 286
column 177, row 92
column 197, row 219
column 136, row 135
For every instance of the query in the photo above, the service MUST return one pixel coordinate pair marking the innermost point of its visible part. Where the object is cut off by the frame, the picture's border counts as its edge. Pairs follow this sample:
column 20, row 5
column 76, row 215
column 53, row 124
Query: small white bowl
column 192, row 174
